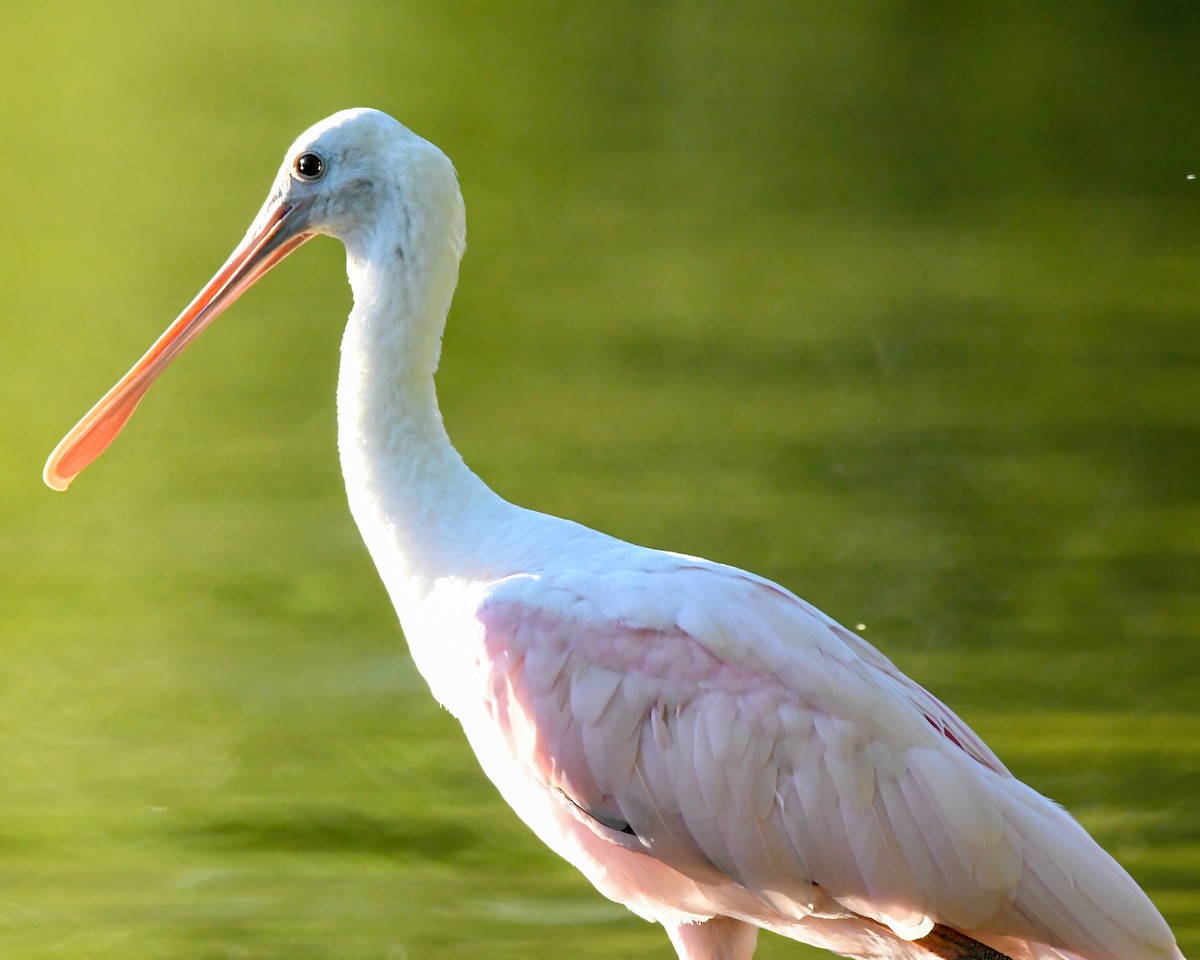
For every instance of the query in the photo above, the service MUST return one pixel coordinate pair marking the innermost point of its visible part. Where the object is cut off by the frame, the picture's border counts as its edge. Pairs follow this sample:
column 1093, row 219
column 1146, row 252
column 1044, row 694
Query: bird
column 707, row 748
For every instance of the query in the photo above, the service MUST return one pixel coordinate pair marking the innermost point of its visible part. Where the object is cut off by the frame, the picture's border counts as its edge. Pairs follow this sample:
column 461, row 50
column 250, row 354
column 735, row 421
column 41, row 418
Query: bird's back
column 673, row 710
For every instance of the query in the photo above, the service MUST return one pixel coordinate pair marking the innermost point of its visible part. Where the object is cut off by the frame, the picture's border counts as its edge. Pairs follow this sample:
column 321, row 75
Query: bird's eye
column 309, row 166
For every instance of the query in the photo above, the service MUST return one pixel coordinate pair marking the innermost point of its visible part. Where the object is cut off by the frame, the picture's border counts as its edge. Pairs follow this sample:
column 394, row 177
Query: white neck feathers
column 412, row 495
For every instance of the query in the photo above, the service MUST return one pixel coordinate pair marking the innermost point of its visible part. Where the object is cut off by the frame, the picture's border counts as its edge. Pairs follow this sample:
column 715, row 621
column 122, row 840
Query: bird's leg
column 949, row 944
column 721, row 938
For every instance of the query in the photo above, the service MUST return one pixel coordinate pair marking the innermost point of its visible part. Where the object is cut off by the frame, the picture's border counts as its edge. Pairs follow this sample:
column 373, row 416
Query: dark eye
column 309, row 166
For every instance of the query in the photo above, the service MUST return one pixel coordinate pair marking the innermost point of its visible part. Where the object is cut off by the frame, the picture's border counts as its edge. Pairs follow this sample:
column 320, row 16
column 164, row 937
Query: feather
column 799, row 767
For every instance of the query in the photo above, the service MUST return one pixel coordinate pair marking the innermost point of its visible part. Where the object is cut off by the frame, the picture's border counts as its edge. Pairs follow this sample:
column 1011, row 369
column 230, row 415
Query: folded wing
column 730, row 730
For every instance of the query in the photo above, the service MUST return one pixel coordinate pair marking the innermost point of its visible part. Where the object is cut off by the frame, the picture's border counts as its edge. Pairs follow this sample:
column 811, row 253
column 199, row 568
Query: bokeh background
column 896, row 303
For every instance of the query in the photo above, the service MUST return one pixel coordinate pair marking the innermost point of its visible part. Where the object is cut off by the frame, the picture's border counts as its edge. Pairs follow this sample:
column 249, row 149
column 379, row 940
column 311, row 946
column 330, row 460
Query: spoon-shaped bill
column 276, row 232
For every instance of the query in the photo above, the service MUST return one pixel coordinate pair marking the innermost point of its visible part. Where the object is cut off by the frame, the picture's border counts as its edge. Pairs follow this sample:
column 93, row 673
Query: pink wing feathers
column 723, row 726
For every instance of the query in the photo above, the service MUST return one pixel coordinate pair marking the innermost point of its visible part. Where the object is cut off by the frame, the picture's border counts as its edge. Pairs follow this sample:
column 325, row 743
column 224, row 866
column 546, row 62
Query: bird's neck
column 418, row 506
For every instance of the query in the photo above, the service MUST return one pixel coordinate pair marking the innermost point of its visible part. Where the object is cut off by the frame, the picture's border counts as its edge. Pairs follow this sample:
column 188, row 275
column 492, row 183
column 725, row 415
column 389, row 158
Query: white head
column 362, row 177
column 391, row 197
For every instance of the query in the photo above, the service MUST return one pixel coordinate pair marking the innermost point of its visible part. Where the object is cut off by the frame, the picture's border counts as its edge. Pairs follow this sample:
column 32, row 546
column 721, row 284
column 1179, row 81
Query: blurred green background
column 895, row 303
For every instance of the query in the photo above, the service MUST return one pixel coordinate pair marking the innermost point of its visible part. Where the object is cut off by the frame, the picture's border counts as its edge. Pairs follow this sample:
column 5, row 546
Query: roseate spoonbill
column 706, row 747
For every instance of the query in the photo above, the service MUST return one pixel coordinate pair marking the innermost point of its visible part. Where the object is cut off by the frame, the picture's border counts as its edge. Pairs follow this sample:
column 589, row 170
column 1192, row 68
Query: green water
column 894, row 303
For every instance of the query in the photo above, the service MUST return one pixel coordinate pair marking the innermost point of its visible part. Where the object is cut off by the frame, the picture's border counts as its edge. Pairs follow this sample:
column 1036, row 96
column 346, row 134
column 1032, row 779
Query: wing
column 720, row 724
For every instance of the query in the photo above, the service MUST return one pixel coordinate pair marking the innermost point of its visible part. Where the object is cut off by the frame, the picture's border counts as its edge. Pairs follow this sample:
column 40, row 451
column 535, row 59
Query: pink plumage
column 743, row 742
